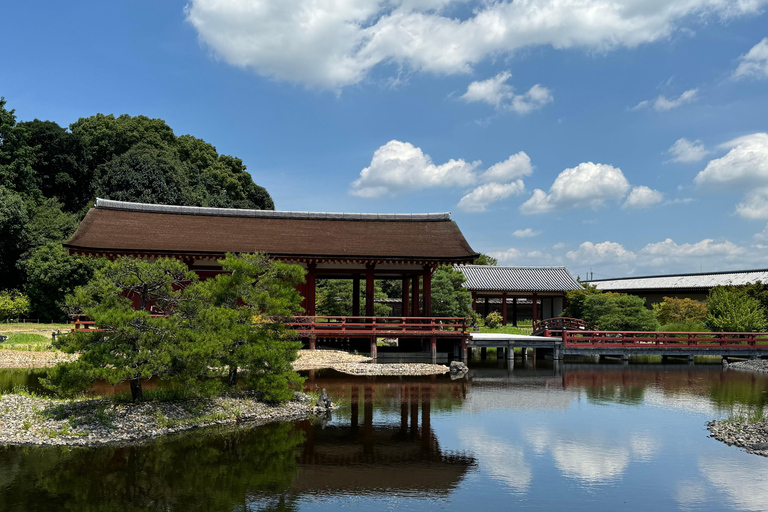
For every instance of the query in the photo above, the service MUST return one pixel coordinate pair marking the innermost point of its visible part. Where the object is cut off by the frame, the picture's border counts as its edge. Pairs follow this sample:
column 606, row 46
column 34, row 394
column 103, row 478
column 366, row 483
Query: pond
column 571, row 437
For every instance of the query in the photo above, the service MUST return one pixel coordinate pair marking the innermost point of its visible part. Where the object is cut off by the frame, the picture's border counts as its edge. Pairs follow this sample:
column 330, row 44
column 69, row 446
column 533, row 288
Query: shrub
column 13, row 304
column 732, row 309
column 685, row 326
column 575, row 307
column 493, row 320
column 679, row 311
column 617, row 312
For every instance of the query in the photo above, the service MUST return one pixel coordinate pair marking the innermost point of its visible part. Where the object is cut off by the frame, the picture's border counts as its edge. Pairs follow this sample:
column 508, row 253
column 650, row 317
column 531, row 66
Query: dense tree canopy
column 618, row 312
column 50, row 175
column 449, row 297
column 734, row 309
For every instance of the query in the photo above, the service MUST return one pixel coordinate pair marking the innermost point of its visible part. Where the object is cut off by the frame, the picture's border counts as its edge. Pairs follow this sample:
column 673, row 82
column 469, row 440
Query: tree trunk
column 137, row 395
column 232, row 379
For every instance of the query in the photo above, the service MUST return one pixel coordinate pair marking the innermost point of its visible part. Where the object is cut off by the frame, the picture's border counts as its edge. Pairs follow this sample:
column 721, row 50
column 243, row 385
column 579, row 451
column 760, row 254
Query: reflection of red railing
column 378, row 325
column 642, row 339
column 560, row 324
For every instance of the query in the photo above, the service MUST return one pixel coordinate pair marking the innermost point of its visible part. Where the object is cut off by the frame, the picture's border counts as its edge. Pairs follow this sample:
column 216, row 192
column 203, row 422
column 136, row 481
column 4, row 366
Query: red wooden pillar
column 369, row 287
column 427, row 306
column 535, row 308
column 415, row 296
column 504, row 308
column 311, row 280
column 355, row 294
column 433, row 347
column 374, row 348
column 406, row 296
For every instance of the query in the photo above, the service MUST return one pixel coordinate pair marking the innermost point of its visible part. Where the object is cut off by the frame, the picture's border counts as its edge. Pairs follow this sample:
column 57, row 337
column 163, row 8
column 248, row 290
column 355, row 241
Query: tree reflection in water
column 194, row 472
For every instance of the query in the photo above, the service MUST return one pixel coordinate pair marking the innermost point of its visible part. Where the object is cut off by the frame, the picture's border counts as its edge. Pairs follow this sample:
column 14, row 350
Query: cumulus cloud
column 480, row 198
column 755, row 205
column 643, row 197
column 586, row 185
column 526, row 233
column 400, row 166
column 662, row 103
column 668, row 249
column 516, row 166
column 745, row 165
column 589, row 252
column 755, row 62
column 499, row 94
column 683, row 150
column 335, row 43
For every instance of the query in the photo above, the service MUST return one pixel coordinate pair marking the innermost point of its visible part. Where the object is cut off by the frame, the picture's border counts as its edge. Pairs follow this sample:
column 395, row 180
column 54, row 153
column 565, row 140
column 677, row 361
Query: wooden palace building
column 360, row 247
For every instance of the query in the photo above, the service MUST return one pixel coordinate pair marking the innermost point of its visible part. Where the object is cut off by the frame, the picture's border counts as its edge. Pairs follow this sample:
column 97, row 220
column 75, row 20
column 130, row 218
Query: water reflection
column 575, row 437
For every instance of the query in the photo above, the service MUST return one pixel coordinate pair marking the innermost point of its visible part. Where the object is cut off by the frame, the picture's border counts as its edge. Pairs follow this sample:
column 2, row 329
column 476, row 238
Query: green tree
column 14, row 237
column 618, row 312
column 732, row 309
column 576, row 298
column 484, row 259
column 674, row 309
column 239, row 320
column 449, row 297
column 51, row 275
column 130, row 344
column 13, row 304
column 334, row 298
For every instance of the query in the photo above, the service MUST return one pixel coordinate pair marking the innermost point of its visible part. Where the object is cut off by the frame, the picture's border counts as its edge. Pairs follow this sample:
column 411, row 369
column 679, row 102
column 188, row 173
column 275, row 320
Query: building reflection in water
column 389, row 448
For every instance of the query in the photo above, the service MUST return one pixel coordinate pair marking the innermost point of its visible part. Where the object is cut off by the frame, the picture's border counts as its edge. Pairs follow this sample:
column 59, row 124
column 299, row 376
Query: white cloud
column 526, row 233
column 755, row 62
column 745, row 165
column 479, row 199
column 400, row 166
column 643, row 197
column 516, row 166
column 755, row 204
column 662, row 253
column 499, row 94
column 683, row 150
column 335, row 43
column 662, row 103
column 590, row 253
column 586, row 185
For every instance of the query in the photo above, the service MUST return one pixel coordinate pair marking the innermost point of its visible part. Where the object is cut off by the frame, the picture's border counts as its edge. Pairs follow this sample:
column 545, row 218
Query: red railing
column 560, row 324
column 378, row 325
column 643, row 339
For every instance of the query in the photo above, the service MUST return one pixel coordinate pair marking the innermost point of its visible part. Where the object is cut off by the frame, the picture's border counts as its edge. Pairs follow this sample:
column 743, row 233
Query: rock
column 458, row 367
column 324, row 401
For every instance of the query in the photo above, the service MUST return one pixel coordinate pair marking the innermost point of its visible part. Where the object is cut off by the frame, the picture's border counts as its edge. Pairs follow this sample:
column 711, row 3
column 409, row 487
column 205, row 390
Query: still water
column 577, row 437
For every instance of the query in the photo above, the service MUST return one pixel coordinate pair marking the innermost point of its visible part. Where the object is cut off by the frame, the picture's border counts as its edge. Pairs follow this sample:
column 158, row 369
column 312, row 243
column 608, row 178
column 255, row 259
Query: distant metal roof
column 703, row 281
column 530, row 279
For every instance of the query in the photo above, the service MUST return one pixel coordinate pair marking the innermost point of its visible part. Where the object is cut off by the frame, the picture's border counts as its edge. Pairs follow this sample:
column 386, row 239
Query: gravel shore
column 753, row 365
column 26, row 420
column 32, row 359
column 752, row 437
column 361, row 365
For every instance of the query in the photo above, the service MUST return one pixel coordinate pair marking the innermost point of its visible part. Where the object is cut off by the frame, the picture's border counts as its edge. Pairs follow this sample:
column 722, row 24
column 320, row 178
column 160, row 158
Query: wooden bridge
column 569, row 337
column 452, row 329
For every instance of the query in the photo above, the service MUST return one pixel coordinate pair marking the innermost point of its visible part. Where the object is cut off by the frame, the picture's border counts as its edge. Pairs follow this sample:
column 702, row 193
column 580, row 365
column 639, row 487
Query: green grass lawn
column 26, row 341
column 24, row 327
column 507, row 329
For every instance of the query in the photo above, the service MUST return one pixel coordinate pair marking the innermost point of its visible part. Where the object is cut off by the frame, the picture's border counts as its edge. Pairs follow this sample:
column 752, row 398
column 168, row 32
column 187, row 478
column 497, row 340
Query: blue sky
column 625, row 137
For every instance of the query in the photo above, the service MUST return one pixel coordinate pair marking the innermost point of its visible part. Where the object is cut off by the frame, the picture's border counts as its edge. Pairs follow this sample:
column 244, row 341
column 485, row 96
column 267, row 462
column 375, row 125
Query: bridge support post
column 312, row 341
column 433, row 348
column 690, row 358
column 499, row 353
column 464, row 349
column 374, row 348
column 625, row 357
column 511, row 355
column 557, row 352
